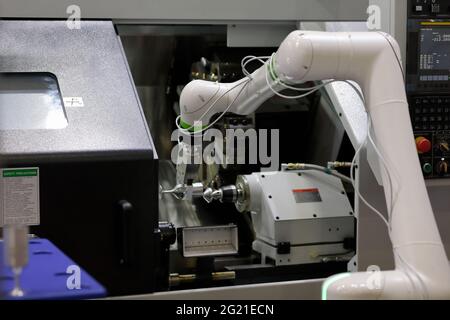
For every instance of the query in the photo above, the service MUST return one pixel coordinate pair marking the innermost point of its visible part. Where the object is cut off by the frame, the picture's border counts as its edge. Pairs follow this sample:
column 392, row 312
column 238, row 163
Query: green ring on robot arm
column 328, row 282
column 270, row 66
column 191, row 128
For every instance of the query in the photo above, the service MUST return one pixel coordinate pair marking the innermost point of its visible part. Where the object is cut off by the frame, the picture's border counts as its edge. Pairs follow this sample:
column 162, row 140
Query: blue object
column 49, row 275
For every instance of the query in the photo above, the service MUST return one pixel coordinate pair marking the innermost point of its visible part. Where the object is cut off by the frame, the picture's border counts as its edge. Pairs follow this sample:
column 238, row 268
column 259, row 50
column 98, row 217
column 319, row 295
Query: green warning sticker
column 19, row 196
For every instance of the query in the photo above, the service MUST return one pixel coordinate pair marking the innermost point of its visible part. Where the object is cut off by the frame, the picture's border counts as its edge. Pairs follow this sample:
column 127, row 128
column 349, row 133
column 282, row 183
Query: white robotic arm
column 198, row 96
column 371, row 60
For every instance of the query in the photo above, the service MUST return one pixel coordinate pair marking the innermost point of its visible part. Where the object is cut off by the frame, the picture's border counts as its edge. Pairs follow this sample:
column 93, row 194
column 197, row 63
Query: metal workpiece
column 224, row 194
column 196, row 190
column 90, row 67
column 188, row 161
column 179, row 191
column 186, row 192
column 210, row 195
column 181, row 213
column 246, row 185
column 229, row 194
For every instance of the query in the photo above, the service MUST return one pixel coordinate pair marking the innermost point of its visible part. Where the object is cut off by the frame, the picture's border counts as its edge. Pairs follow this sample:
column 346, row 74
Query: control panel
column 428, row 83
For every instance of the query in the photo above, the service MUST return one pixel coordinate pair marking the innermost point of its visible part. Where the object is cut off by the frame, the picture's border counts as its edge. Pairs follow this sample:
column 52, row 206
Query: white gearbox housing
column 298, row 218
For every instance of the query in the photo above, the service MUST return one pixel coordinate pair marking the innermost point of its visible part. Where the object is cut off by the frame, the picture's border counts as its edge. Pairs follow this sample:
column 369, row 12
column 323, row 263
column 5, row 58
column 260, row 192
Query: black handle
column 125, row 216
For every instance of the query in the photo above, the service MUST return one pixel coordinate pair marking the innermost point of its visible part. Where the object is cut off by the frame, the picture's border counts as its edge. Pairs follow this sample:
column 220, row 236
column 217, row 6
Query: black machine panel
column 428, row 83
column 98, row 168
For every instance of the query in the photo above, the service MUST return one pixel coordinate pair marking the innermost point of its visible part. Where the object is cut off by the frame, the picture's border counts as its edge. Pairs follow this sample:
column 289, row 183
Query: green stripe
column 189, row 127
column 330, row 281
column 20, row 173
column 272, row 72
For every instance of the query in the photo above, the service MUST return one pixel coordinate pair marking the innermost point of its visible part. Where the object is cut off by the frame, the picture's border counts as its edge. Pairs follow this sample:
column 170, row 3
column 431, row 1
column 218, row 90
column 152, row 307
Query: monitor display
column 434, row 46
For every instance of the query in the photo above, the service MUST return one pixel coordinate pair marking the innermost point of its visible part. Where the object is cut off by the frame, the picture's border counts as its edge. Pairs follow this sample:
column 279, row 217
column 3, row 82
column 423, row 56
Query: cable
column 391, row 173
column 384, row 162
column 387, row 222
column 227, row 108
column 385, row 167
column 277, row 81
column 424, row 291
column 246, row 60
column 409, row 270
column 407, row 267
column 307, row 166
column 261, row 59
column 249, row 59
column 368, row 137
column 399, row 60
column 393, row 196
column 244, row 63
column 358, row 151
column 357, row 193
column 187, row 130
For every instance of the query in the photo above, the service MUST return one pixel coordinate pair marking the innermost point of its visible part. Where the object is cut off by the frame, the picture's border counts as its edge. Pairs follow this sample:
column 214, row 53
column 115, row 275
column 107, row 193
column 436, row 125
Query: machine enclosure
column 98, row 175
column 299, row 218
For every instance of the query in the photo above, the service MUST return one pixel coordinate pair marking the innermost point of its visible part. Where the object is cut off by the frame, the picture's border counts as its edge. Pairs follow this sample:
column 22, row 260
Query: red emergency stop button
column 423, row 145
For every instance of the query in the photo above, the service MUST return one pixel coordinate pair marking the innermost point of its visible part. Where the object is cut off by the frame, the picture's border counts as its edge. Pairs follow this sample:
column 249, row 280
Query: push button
column 423, row 145
column 427, row 168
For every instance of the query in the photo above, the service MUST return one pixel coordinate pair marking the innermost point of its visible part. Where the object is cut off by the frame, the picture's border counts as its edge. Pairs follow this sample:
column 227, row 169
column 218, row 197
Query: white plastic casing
column 311, row 212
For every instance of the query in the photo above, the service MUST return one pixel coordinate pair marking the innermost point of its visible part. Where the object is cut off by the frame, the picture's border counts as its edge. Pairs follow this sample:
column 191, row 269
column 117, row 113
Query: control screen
column 435, row 51
column 428, row 83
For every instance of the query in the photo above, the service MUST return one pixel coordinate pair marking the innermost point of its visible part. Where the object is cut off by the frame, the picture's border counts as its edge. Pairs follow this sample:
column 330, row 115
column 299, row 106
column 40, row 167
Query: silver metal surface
column 150, row 59
column 88, row 63
column 258, row 35
column 183, row 11
column 210, row 241
column 210, row 195
column 244, row 200
column 351, row 111
column 30, row 101
column 292, row 290
column 179, row 191
column 134, row 30
column 180, row 213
